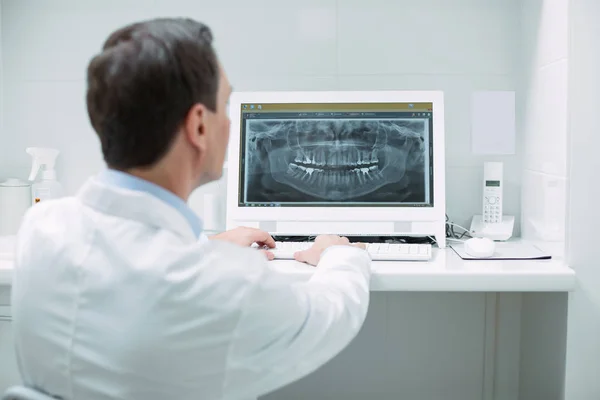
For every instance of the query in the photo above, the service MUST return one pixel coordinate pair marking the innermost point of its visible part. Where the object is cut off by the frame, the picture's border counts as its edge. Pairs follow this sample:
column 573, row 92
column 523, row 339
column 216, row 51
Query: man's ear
column 194, row 127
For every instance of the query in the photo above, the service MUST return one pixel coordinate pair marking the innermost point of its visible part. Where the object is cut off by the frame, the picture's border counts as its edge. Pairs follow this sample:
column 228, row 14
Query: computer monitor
column 348, row 163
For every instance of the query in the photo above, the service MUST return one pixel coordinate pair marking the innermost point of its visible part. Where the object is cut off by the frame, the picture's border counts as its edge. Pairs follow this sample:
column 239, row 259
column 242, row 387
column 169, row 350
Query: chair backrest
column 25, row 393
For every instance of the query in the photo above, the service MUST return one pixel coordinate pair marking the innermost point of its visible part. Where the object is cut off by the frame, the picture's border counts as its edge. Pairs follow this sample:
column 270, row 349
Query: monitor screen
column 336, row 154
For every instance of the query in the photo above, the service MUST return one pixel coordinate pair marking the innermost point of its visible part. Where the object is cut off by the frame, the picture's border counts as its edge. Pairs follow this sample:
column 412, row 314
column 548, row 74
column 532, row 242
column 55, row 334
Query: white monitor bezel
column 324, row 214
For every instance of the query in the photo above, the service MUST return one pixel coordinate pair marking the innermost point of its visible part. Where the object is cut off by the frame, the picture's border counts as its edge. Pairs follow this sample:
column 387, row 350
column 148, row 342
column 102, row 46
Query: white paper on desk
column 506, row 251
column 493, row 129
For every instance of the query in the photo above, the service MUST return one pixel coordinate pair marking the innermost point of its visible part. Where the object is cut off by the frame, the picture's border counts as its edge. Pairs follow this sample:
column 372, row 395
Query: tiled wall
column 3, row 138
column 545, row 81
column 583, row 345
column 545, row 69
column 458, row 47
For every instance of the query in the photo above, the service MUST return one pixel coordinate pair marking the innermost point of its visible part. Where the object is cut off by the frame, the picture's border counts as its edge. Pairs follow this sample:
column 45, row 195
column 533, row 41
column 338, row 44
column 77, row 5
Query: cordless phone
column 492, row 192
column 492, row 223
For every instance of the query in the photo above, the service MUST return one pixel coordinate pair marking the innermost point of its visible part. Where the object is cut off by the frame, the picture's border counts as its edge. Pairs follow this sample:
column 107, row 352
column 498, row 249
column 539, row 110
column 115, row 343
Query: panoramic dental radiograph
column 342, row 160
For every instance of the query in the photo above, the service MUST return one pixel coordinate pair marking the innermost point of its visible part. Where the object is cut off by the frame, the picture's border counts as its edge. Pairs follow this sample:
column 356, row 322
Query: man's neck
column 175, row 182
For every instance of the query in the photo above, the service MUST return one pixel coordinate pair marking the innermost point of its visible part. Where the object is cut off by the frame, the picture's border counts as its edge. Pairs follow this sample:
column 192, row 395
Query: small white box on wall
column 493, row 128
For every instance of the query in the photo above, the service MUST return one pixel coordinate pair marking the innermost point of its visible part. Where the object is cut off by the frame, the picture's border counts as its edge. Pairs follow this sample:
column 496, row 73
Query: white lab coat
column 115, row 298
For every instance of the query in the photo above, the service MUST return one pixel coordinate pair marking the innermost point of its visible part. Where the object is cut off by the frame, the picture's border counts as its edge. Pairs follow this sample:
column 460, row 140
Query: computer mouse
column 480, row 247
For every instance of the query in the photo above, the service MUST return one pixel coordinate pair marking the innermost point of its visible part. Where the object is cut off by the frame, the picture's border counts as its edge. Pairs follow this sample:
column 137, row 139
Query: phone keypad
column 492, row 210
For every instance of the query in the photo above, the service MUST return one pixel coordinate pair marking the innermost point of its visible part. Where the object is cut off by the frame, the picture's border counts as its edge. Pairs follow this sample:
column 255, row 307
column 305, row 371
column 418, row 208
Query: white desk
column 471, row 326
column 446, row 272
column 6, row 268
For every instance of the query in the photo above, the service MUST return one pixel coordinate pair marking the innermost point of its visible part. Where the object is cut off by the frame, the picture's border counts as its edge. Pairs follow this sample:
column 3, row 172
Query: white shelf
column 446, row 272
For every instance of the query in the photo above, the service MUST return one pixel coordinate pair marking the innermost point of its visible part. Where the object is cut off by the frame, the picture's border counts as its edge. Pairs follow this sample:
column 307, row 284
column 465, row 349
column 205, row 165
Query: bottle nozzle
column 42, row 157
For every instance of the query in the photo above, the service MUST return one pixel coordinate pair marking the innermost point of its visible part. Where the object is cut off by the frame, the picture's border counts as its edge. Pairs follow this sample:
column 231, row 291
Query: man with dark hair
column 118, row 294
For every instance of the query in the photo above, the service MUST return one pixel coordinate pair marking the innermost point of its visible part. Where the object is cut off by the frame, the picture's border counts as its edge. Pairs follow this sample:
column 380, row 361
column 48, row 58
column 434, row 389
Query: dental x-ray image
column 336, row 160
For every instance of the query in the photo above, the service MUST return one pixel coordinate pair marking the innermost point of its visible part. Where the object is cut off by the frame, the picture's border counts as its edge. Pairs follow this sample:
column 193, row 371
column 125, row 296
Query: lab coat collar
column 128, row 181
column 137, row 205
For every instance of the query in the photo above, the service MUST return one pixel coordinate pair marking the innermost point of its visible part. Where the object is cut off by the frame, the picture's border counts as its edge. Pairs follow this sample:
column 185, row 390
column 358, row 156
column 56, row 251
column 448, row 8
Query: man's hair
column 144, row 82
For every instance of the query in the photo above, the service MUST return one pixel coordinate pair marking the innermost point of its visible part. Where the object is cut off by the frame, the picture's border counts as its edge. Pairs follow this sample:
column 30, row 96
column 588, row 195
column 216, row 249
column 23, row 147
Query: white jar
column 15, row 200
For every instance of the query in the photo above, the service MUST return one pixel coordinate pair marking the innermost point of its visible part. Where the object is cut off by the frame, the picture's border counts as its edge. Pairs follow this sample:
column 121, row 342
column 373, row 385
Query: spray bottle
column 47, row 187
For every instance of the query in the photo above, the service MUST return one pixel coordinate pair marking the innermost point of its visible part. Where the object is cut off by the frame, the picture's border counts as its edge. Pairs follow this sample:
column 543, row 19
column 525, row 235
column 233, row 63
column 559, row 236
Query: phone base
column 496, row 231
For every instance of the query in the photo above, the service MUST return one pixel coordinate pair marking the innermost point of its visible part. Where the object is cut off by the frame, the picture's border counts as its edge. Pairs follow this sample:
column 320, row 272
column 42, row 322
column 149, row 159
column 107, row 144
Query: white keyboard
column 378, row 251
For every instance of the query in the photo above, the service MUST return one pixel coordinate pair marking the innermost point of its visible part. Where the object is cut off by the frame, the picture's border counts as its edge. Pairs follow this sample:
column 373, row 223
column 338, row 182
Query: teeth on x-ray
column 339, row 159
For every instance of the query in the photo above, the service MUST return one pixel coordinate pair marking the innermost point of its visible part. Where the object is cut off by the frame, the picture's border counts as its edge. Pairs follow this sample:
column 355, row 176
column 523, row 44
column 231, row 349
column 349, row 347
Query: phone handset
column 492, row 223
column 492, row 192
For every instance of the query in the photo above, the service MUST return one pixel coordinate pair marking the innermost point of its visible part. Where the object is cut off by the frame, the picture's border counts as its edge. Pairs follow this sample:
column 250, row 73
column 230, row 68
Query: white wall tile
column 243, row 82
column 544, row 64
column 427, row 37
column 545, row 30
column 583, row 339
column 3, row 138
column 43, row 6
column 43, row 42
column 251, row 37
column 545, row 120
column 544, row 207
column 267, row 38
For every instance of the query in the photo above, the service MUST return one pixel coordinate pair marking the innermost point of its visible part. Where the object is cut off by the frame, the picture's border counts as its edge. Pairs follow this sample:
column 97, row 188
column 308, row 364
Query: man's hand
column 312, row 255
column 246, row 237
